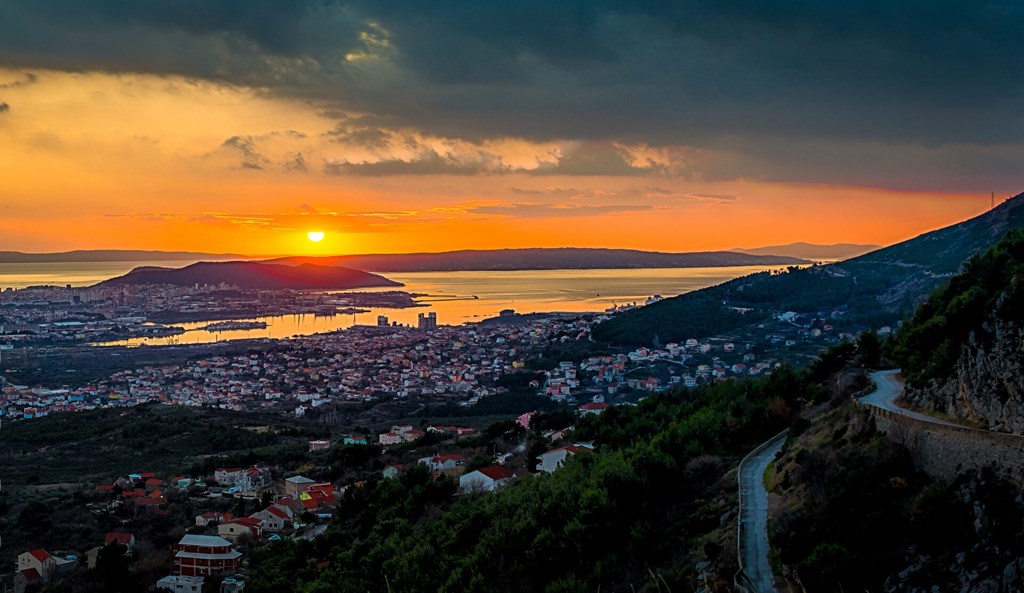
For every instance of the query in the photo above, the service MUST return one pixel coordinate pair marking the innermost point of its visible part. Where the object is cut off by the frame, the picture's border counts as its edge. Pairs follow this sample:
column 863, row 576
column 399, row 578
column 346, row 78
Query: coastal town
column 385, row 371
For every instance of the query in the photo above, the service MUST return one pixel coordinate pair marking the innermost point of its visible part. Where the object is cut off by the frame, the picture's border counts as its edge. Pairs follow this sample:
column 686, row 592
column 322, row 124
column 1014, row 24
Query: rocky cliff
column 987, row 385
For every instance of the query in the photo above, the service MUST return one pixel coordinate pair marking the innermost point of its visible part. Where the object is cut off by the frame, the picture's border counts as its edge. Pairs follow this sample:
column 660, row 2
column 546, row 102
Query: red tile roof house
column 389, row 438
column 553, row 459
column 319, row 496
column 40, row 561
column 439, row 463
column 486, row 479
column 593, row 408
column 122, row 537
column 208, row 518
column 39, row 566
column 205, row 555
column 239, row 527
column 274, row 518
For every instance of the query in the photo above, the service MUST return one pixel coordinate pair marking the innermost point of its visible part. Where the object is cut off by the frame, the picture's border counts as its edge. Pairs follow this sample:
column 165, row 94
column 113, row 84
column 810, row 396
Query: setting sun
column 315, row 236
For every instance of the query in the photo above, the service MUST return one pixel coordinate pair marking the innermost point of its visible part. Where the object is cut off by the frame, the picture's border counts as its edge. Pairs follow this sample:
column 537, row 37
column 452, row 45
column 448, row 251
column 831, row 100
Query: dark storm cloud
column 4, row 107
column 427, row 163
column 726, row 75
column 598, row 159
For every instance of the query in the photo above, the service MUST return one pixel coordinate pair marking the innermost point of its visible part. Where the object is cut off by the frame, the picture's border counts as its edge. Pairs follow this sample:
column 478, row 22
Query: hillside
column 812, row 251
column 962, row 352
column 540, row 259
column 875, row 289
column 854, row 514
column 109, row 255
column 253, row 275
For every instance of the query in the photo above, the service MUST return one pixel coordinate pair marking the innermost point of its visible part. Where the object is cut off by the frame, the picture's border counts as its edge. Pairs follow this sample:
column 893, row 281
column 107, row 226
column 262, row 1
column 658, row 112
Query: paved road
column 888, row 387
column 754, row 516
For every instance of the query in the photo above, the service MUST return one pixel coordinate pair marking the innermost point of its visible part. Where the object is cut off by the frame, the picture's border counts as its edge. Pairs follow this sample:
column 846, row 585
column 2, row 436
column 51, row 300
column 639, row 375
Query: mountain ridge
column 812, row 251
column 539, row 258
column 871, row 290
column 111, row 255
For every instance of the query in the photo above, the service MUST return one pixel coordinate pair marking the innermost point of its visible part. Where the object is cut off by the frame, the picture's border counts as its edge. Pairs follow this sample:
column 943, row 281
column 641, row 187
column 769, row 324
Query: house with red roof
column 389, row 438
column 593, row 408
column 211, row 518
column 40, row 561
column 485, row 479
column 121, row 537
column 275, row 517
column 319, row 497
column 39, row 566
column 205, row 555
column 440, row 463
column 239, row 527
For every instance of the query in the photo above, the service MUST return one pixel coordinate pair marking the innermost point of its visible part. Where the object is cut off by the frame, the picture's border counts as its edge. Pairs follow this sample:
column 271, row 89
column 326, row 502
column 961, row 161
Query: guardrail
column 742, row 581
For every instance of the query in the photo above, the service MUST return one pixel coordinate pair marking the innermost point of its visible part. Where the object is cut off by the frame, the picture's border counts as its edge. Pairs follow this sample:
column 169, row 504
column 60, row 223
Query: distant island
column 111, row 255
column 813, row 251
column 540, row 259
column 254, row 275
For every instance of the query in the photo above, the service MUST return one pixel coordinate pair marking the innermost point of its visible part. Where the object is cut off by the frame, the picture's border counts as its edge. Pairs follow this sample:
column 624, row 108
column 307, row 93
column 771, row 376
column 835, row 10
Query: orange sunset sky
column 216, row 133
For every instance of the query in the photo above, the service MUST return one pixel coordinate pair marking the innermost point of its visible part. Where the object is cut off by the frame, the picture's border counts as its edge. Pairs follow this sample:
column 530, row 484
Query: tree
column 112, row 564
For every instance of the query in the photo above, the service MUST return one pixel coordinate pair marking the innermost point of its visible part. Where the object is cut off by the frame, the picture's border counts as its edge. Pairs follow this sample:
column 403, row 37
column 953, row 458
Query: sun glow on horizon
column 315, row 236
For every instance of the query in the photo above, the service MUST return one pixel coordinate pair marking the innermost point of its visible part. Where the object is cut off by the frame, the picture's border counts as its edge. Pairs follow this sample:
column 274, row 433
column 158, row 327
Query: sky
column 395, row 126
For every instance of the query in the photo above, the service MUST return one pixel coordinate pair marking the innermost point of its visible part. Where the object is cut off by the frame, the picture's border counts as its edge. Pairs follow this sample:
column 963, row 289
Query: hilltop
column 875, row 289
column 813, row 251
column 255, row 275
column 110, row 255
column 540, row 259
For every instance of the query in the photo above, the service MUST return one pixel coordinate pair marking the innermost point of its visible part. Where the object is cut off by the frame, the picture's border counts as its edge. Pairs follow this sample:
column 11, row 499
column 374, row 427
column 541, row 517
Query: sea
column 455, row 297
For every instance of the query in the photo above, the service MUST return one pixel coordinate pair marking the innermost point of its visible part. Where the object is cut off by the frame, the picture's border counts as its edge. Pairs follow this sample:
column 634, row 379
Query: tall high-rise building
column 428, row 321
column 382, row 321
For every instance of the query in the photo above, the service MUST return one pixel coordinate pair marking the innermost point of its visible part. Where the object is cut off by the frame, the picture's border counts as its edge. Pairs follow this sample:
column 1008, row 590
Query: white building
column 180, row 584
column 487, row 479
column 554, row 458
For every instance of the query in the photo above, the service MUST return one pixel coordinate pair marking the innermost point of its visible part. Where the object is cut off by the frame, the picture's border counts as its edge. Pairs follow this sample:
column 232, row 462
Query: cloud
column 253, row 150
column 4, row 107
column 751, row 83
column 29, row 78
column 428, row 162
column 536, row 210
column 598, row 159
column 296, row 162
column 246, row 146
column 668, row 73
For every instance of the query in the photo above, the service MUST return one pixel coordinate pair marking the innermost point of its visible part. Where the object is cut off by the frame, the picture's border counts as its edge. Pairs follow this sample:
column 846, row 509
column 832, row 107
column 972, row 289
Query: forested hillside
column 961, row 352
column 878, row 288
column 634, row 515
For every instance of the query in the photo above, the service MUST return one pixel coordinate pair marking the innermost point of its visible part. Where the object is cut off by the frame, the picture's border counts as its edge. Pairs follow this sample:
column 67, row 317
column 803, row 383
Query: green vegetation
column 86, row 447
column 856, row 513
column 635, row 513
column 990, row 288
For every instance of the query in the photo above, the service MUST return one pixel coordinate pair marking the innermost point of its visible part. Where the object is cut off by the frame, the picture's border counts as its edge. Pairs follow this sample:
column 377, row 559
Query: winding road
column 888, row 387
column 753, row 520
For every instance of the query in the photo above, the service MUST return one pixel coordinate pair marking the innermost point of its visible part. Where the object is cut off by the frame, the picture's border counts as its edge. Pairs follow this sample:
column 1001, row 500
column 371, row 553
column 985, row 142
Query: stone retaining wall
column 943, row 452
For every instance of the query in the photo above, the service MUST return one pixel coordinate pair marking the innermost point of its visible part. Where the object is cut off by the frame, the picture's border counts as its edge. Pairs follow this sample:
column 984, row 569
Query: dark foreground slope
column 878, row 288
column 252, row 275
column 541, row 259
